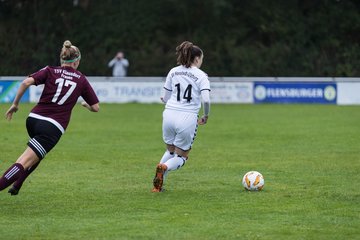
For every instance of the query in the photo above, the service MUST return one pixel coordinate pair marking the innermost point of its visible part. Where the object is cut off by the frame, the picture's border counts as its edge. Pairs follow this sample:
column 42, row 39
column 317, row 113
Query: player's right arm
column 15, row 106
column 167, row 95
column 167, row 88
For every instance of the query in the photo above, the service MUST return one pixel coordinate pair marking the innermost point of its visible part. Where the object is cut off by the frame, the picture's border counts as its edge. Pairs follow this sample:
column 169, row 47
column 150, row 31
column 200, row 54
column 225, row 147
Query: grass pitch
column 96, row 182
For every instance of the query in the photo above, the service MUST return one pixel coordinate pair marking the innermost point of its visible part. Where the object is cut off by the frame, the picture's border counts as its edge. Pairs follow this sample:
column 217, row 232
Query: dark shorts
column 43, row 136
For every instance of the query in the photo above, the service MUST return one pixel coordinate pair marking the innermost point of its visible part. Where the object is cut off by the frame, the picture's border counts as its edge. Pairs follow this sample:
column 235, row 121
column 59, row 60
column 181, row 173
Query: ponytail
column 187, row 52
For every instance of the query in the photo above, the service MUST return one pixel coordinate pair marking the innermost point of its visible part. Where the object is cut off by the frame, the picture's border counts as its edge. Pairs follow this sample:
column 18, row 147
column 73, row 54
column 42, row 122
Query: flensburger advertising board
column 295, row 92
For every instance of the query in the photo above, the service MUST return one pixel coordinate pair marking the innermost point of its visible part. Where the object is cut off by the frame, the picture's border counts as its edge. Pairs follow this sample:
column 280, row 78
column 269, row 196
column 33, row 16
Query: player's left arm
column 205, row 96
column 91, row 101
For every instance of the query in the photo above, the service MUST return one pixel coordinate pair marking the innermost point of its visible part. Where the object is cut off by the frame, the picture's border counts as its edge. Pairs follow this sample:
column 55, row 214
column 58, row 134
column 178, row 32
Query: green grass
column 96, row 182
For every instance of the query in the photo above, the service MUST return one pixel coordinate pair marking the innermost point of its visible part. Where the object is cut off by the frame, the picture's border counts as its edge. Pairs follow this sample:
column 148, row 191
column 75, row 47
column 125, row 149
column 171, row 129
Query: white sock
column 175, row 163
column 167, row 155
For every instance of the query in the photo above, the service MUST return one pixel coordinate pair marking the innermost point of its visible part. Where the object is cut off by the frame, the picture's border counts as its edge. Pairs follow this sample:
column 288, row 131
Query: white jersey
column 186, row 85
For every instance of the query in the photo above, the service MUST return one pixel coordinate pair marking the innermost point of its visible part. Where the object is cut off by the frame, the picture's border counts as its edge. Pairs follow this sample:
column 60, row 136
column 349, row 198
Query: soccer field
column 95, row 184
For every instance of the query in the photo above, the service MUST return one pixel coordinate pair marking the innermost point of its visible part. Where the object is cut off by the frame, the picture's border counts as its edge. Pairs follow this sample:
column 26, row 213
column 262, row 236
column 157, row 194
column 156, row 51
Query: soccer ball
column 253, row 181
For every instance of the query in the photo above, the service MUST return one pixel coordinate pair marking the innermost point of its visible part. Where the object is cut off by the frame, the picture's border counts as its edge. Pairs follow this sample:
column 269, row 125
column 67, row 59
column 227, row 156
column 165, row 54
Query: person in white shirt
column 119, row 64
column 186, row 89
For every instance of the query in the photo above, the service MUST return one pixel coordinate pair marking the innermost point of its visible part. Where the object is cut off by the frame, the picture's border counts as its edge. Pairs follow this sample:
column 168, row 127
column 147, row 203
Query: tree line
column 239, row 37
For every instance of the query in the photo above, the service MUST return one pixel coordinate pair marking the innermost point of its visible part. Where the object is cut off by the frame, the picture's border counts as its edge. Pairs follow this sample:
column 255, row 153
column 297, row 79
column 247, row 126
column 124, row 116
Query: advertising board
column 295, row 92
column 8, row 90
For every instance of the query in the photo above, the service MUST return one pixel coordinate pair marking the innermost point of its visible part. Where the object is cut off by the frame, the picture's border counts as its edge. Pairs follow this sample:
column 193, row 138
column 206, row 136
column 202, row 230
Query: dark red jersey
column 62, row 88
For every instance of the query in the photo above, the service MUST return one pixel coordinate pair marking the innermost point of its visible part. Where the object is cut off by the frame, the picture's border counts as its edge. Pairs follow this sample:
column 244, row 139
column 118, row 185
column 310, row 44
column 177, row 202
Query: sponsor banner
column 150, row 92
column 295, row 92
column 8, row 90
column 227, row 92
column 231, row 92
column 122, row 92
column 348, row 93
column 117, row 92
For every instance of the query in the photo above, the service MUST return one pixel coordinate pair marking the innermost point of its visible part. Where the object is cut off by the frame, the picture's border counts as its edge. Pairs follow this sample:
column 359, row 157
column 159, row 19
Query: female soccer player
column 48, row 120
column 186, row 86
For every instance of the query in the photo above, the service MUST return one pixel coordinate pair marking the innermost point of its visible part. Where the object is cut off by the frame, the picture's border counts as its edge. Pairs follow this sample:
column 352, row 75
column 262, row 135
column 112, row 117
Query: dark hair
column 187, row 52
column 69, row 53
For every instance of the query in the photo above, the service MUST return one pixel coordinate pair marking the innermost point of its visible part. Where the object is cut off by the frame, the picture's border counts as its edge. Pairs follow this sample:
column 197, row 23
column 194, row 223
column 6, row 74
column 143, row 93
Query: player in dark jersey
column 48, row 120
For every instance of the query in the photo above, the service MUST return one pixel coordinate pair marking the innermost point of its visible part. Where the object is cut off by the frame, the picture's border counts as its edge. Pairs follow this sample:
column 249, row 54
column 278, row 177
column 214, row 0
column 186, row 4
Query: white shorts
column 179, row 128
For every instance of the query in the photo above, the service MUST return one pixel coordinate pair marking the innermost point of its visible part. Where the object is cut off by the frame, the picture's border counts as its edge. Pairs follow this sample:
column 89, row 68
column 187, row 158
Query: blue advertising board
column 295, row 92
column 8, row 90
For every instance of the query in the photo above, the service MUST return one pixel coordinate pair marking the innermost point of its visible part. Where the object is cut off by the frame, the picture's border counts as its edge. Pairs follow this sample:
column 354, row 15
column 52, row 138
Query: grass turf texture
column 96, row 182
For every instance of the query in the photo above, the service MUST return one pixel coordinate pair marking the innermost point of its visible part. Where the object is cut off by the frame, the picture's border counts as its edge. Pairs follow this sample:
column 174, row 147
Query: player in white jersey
column 186, row 87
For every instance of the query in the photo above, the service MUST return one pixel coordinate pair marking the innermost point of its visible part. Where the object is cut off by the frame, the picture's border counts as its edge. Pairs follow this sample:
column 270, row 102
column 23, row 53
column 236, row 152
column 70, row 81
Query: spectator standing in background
column 119, row 64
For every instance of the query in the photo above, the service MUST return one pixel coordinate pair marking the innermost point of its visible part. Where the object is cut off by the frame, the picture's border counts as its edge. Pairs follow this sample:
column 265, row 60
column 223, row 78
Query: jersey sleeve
column 205, row 83
column 167, row 84
column 40, row 76
column 88, row 94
